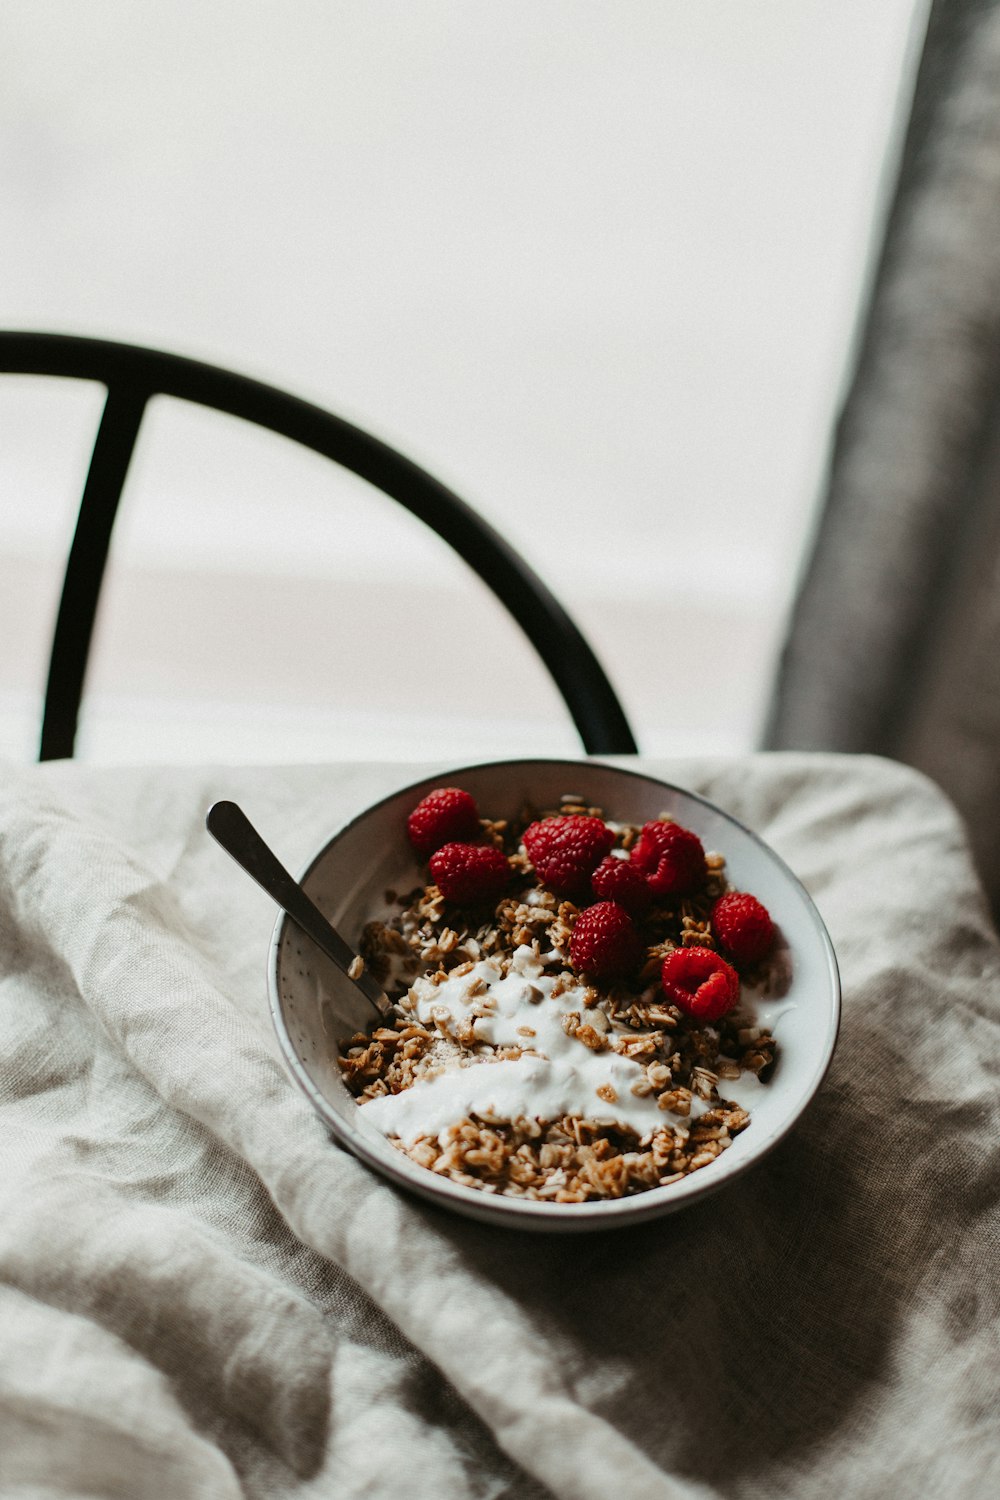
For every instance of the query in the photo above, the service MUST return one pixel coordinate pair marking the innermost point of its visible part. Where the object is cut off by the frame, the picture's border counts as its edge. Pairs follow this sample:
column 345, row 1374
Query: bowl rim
column 526, row 1213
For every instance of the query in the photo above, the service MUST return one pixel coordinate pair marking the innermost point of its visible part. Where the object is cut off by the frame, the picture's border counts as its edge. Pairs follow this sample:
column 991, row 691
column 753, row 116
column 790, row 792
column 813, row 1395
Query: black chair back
column 133, row 375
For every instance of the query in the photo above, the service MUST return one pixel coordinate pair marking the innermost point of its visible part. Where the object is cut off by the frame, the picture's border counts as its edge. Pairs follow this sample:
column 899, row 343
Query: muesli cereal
column 569, row 1021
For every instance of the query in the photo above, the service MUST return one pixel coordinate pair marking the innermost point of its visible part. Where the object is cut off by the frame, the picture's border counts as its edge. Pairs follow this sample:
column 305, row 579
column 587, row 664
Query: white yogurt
column 562, row 1079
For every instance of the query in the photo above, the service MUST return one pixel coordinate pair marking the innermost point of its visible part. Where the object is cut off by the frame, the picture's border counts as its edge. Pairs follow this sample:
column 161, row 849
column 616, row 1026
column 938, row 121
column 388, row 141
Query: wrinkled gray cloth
column 894, row 638
column 203, row 1297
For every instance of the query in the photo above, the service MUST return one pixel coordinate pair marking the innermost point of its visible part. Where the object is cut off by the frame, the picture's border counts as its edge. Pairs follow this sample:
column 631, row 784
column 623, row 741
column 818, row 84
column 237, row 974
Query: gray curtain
column 893, row 644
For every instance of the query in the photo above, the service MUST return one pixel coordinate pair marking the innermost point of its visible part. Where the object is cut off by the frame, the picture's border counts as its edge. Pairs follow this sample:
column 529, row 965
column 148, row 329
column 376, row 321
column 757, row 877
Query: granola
column 504, row 1069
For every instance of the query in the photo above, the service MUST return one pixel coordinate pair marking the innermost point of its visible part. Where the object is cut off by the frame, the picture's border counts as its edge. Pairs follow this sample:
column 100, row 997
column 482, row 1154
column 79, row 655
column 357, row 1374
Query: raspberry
column 469, row 872
column 447, row 815
column 605, row 942
column 700, row 983
column 565, row 850
column 743, row 926
column 619, row 880
column 671, row 858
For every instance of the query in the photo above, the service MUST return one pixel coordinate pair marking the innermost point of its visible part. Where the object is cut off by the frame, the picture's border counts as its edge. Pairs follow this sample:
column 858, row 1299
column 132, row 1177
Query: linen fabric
column 203, row 1297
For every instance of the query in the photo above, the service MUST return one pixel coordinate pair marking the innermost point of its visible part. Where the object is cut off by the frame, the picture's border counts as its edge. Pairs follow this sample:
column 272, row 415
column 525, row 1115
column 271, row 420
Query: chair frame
column 133, row 375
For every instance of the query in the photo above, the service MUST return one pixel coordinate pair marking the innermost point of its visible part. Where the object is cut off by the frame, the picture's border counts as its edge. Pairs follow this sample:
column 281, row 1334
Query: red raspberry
column 619, row 880
column 447, row 815
column 743, row 926
column 469, row 872
column 671, row 858
column 700, row 983
column 565, row 850
column 605, row 942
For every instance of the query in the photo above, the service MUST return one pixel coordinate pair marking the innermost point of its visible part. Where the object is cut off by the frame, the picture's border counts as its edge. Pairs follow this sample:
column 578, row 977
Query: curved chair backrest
column 133, row 375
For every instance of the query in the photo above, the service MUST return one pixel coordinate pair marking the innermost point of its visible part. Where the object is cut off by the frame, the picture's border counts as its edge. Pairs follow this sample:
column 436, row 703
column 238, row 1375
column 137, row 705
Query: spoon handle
column 229, row 825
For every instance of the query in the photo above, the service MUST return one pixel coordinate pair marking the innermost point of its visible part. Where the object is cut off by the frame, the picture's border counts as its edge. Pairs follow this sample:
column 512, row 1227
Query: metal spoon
column 230, row 826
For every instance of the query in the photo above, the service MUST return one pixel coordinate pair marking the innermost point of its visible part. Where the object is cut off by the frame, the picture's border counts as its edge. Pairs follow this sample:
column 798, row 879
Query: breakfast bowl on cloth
column 610, row 997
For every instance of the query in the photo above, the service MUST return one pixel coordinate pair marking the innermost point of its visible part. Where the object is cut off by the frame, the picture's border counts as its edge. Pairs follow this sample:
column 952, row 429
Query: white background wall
column 595, row 265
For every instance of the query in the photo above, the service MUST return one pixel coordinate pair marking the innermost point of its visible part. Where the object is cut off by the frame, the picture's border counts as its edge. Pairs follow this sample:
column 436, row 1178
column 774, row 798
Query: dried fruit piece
column 446, row 815
column 700, row 983
column 742, row 926
column 604, row 942
column 566, row 850
column 671, row 858
column 468, row 873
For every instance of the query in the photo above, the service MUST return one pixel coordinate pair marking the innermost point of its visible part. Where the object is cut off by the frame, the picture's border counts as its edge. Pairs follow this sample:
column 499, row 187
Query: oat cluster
column 571, row 1159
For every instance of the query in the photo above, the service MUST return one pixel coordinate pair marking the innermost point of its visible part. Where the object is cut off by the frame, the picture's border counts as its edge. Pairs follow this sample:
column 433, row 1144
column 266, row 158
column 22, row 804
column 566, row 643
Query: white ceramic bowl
column 314, row 1006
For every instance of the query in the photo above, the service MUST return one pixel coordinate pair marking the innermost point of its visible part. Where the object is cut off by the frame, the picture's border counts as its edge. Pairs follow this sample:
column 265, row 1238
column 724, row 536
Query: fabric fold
column 771, row 1341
